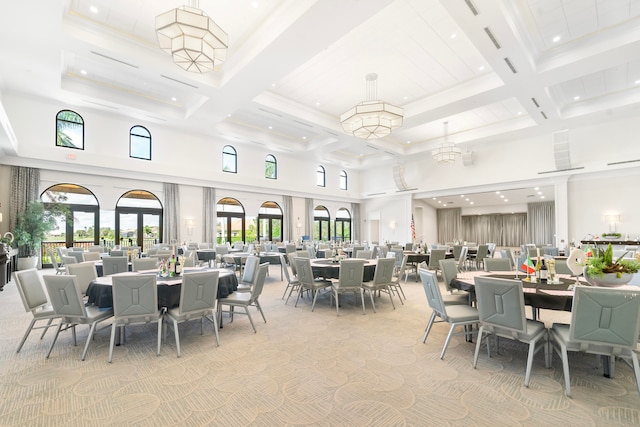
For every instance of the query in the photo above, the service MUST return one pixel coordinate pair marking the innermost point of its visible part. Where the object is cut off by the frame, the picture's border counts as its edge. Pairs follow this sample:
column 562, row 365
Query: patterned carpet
column 301, row 368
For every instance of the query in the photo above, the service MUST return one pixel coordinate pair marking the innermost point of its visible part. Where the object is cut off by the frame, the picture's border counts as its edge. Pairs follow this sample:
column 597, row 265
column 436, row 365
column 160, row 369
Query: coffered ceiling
column 494, row 69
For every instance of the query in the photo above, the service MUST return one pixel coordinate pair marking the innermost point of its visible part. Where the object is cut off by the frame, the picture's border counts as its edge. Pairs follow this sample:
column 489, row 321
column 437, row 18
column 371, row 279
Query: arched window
column 80, row 226
column 270, row 167
column 321, row 224
column 343, row 180
column 343, row 225
column 270, row 222
column 140, row 143
column 229, row 159
column 138, row 219
column 231, row 220
column 321, row 180
column 69, row 130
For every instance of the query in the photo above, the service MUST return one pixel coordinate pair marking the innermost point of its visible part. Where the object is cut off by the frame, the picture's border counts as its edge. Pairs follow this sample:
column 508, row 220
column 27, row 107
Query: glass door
column 150, row 231
column 127, row 229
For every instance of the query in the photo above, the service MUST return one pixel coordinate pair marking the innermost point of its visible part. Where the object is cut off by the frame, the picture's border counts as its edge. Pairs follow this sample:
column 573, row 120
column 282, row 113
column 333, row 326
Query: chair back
column 119, row 252
column 96, row 248
column 164, row 253
column 67, row 259
column 76, row 254
column 52, row 256
column 290, row 248
column 250, row 269
column 135, row 298
column 90, row 256
column 384, row 271
column 85, row 273
column 351, row 273
column 64, row 295
column 285, row 268
column 483, row 251
column 398, row 255
column 303, row 267
column 435, row 256
column 188, row 261
column 203, row 245
column 506, row 253
column 30, row 289
column 312, row 252
column 463, row 257
column 501, row 304
column 258, row 282
column 114, row 264
column 139, row 264
column 408, row 246
column 222, row 249
column 497, row 264
column 403, row 266
column 456, row 251
column 550, row 251
column 605, row 316
column 198, row 291
column 432, row 292
column 303, row 254
column 449, row 270
column 562, row 267
column 364, row 254
column 382, row 251
column 356, row 249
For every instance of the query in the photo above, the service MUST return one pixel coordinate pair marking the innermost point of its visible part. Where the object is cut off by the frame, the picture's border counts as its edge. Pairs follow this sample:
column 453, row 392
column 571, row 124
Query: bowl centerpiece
column 602, row 270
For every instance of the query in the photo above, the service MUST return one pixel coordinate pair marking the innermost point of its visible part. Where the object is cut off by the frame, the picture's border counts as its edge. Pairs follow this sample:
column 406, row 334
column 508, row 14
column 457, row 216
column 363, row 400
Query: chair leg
column 315, row 296
column 636, row 369
column 478, row 342
column 446, row 342
column 391, row 297
column 373, row 304
column 428, row 328
column 112, row 341
column 337, row 304
column 160, row 333
column 27, row 332
column 250, row 319
column 565, row 369
column 527, row 374
column 362, row 299
column 300, row 290
column 55, row 337
column 46, row 328
column 215, row 326
column 260, row 310
column 176, row 334
column 92, row 330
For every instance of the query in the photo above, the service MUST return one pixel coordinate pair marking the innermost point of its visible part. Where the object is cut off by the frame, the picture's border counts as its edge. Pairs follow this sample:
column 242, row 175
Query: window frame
column 320, row 171
column 270, row 159
column 344, row 179
column 226, row 155
column 148, row 136
column 80, row 123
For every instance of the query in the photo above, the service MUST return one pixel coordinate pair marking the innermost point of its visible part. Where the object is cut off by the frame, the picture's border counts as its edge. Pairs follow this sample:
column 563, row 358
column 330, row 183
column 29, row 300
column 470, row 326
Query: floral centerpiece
column 602, row 270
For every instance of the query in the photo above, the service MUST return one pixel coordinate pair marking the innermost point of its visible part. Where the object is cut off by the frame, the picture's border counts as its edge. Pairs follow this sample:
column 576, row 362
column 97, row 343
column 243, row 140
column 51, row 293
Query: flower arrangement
column 602, row 263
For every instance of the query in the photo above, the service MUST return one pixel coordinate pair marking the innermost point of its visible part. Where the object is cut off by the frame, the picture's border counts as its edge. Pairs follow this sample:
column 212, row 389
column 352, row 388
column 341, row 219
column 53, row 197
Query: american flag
column 413, row 229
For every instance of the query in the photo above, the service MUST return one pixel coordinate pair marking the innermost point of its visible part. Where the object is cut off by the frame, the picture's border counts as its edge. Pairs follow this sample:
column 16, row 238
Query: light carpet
column 300, row 368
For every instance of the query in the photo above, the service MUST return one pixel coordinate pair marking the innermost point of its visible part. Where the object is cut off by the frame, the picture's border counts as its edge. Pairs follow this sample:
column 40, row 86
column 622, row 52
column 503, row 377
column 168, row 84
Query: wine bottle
column 538, row 266
column 543, row 270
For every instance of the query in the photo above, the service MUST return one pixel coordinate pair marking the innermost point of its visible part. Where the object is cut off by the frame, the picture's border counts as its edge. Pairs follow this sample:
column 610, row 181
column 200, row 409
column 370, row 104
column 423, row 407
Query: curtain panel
column 309, row 223
column 501, row 229
column 287, row 218
column 355, row 222
column 209, row 215
column 541, row 223
column 171, row 216
column 25, row 188
column 449, row 224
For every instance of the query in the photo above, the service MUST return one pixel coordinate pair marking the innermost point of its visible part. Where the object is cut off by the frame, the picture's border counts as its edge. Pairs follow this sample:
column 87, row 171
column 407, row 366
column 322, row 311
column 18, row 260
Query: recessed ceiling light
column 173, row 98
column 575, row 98
column 270, row 127
column 408, row 142
column 273, row 85
column 537, row 188
column 255, row 4
column 435, row 198
column 93, row 9
column 466, row 200
column 556, row 39
column 542, row 197
column 405, row 97
column 317, row 104
column 481, row 68
column 506, row 200
column 519, row 113
column 470, row 203
column 502, row 196
column 539, row 192
column 83, row 72
column 637, row 82
column 497, row 192
column 304, row 137
column 454, row 35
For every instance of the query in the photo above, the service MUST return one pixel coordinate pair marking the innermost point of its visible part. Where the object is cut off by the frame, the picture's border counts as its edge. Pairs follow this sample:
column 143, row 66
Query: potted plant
column 32, row 226
column 602, row 270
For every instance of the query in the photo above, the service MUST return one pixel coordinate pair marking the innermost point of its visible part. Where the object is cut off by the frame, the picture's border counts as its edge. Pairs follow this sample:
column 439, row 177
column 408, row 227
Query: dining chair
column 96, row 248
column 363, row 254
column 481, row 254
column 497, row 264
column 307, row 281
column 292, row 284
column 463, row 258
column 456, row 252
column 77, row 254
column 67, row 303
column 120, row 252
column 251, row 264
column 188, row 261
column 114, row 265
column 605, row 322
column 434, row 259
column 90, row 256
column 349, row 281
column 500, row 305
column 303, row 254
column 60, row 269
column 456, row 315
column 85, row 273
column 408, row 246
column 140, row 264
column 67, row 259
column 198, row 294
column 381, row 280
column 35, row 301
column 135, row 301
column 449, row 272
column 246, row 299
column 507, row 254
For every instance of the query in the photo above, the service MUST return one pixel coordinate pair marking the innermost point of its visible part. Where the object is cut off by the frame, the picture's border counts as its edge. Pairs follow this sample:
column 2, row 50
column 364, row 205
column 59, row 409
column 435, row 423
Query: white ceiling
column 294, row 66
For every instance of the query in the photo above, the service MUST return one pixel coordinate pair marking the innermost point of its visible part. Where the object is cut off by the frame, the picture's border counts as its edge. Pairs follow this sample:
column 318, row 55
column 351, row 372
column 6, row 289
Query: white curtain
column 171, row 215
column 25, row 188
column 541, row 223
column 501, row 229
column 287, row 218
column 449, row 224
column 355, row 222
column 209, row 215
column 308, row 227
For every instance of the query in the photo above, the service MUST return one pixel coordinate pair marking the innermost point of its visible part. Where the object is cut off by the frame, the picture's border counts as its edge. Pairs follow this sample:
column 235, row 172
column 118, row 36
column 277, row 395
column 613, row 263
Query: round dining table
column 100, row 291
column 329, row 269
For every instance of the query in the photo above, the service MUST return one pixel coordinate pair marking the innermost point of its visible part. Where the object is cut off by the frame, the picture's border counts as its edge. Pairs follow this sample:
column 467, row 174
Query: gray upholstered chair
column 303, row 254
column 114, row 265
column 120, row 252
column 292, row 283
column 68, row 259
column 605, row 322
column 381, row 280
column 139, row 264
column 248, row 273
column 500, row 305
column 349, row 281
column 60, row 269
column 434, row 258
column 562, row 267
column 449, row 272
column 90, row 256
column 85, row 273
column 307, row 282
column 456, row 315
column 135, row 301
column 67, row 303
column 481, row 254
column 395, row 285
column 198, row 294
column 363, row 254
column 456, row 251
column 246, row 299
column 77, row 254
column 463, row 258
column 497, row 264
column 35, row 302
column 408, row 246
column 507, row 254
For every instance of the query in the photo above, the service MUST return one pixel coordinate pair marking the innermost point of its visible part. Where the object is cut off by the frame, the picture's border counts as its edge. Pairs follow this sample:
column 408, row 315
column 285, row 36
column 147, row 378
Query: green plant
column 33, row 224
column 611, row 235
column 603, row 263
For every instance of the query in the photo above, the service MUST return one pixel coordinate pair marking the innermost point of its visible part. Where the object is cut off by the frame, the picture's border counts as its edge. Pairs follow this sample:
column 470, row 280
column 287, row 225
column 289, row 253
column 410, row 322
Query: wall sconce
column 0, row 216
column 392, row 225
column 190, row 225
column 613, row 220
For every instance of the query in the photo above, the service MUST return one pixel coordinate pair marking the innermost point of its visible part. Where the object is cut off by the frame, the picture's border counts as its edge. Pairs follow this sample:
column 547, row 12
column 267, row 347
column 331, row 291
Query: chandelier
column 372, row 118
column 192, row 39
column 447, row 152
